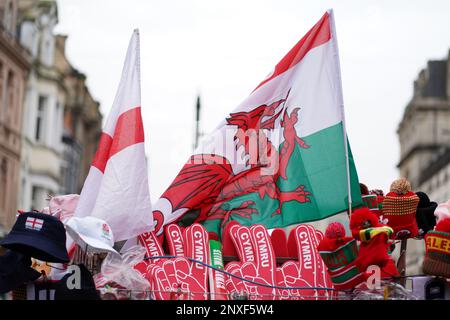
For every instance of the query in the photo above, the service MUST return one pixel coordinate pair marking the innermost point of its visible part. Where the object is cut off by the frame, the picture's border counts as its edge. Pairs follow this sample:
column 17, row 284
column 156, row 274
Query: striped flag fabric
column 116, row 189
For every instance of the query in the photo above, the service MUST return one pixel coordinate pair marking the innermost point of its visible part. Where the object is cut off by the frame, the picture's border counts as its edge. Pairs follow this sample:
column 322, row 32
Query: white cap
column 93, row 232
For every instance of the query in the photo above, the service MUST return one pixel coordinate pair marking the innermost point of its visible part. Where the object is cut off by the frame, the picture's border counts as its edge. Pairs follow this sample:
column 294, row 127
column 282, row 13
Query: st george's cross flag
column 281, row 157
column 116, row 189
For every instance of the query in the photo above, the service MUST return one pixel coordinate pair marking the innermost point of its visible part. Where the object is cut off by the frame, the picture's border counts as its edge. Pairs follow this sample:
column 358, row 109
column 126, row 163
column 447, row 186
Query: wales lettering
column 264, row 251
column 306, row 251
column 177, row 242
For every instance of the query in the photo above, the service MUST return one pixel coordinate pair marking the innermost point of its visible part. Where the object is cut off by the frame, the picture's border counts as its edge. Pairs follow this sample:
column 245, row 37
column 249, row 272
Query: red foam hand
column 232, row 284
column 242, row 239
column 257, row 263
column 288, row 275
column 159, row 281
column 185, row 279
column 151, row 243
column 265, row 259
column 175, row 240
column 197, row 247
column 310, row 269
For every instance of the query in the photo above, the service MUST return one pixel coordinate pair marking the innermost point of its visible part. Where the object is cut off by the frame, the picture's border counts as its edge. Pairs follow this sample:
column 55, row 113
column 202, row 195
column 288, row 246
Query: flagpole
column 341, row 104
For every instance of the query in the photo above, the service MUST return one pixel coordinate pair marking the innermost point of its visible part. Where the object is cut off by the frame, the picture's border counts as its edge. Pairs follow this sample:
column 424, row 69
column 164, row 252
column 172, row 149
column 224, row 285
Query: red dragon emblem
column 207, row 182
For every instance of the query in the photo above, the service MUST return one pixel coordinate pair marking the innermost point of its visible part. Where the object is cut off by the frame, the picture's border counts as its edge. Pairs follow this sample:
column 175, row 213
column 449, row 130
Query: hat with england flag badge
column 38, row 235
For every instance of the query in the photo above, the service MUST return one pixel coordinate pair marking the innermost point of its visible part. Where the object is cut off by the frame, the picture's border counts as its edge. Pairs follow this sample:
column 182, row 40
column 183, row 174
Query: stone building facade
column 14, row 68
column 82, row 125
column 424, row 131
column 44, row 106
column 424, row 134
column 63, row 123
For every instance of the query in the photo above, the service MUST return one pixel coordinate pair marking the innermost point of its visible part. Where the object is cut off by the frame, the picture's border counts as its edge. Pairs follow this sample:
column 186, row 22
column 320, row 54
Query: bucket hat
column 91, row 232
column 38, row 235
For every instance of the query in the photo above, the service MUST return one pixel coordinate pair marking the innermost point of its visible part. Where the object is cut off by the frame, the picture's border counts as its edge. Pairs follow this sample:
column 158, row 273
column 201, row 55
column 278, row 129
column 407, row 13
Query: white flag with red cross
column 34, row 223
column 116, row 189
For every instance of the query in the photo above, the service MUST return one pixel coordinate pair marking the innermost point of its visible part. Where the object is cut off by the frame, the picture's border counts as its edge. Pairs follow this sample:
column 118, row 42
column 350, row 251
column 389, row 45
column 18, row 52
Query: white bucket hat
column 92, row 232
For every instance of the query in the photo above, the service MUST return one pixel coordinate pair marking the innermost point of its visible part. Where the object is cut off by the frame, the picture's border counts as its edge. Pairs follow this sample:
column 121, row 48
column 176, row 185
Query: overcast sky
column 223, row 49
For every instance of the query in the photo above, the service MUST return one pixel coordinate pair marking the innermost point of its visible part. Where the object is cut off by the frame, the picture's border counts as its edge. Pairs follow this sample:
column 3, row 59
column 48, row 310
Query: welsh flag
column 281, row 157
column 116, row 188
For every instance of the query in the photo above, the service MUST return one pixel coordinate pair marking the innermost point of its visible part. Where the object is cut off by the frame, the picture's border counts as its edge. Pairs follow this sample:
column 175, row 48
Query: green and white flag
column 281, row 157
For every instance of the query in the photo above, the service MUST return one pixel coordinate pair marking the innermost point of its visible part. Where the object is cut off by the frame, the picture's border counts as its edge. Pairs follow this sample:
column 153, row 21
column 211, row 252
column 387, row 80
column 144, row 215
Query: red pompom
column 362, row 218
column 360, row 215
column 335, row 230
column 443, row 225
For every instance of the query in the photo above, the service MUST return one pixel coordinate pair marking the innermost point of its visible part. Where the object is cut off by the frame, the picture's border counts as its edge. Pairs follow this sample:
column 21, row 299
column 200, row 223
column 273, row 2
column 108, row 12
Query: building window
column 40, row 117
column 22, row 191
column 47, row 48
column 10, row 93
column 3, row 182
column 70, row 166
column 34, row 197
column 57, row 125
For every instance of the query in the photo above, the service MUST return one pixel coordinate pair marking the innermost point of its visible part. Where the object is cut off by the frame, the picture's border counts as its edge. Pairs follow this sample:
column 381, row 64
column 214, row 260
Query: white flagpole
column 341, row 103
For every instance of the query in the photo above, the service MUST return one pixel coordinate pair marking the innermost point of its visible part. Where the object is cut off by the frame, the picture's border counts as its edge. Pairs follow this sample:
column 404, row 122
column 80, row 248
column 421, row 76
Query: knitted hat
column 339, row 254
column 425, row 214
column 399, row 208
column 437, row 256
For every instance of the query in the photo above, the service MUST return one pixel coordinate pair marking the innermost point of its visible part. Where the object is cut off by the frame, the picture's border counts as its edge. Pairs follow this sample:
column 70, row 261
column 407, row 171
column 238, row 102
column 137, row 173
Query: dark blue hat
column 15, row 270
column 38, row 235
